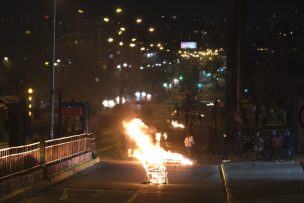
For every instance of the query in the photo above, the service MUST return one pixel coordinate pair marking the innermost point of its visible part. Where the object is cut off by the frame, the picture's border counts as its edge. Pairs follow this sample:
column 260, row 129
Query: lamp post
column 175, row 81
column 52, row 92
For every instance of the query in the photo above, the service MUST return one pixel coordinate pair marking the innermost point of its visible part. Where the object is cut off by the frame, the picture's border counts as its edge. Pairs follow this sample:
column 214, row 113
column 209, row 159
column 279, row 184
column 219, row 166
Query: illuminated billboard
column 188, row 45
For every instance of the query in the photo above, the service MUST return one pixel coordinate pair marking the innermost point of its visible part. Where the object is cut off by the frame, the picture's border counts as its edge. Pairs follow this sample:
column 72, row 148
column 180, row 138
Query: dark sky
column 210, row 10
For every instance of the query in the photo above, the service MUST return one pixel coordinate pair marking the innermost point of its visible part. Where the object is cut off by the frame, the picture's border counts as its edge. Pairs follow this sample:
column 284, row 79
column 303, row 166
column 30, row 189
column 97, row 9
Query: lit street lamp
column 118, row 10
column 151, row 29
column 138, row 20
column 110, row 39
column 105, row 19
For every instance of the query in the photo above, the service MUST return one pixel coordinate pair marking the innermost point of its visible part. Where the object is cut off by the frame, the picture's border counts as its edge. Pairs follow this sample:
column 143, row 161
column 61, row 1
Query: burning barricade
column 150, row 153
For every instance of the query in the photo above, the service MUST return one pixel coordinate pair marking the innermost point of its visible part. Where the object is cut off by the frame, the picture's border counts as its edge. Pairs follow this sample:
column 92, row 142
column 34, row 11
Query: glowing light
column 121, row 43
column 138, row 20
column 105, row 19
column 143, row 94
column 30, row 98
column 80, row 11
column 46, row 63
column 210, row 104
column 175, row 80
column 5, row 59
column 122, row 29
column 108, row 103
column 132, row 45
column 142, row 49
column 149, row 97
column 151, row 29
column 133, row 39
column 149, row 151
column 137, row 94
column 30, row 90
column 175, row 124
column 118, row 10
column 125, row 65
column 110, row 39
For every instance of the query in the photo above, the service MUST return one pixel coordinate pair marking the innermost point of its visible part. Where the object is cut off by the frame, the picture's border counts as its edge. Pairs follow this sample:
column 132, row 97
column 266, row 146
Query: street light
column 118, row 10
column 138, row 20
column 132, row 45
column 175, row 82
column 106, row 19
column 30, row 91
column 151, row 29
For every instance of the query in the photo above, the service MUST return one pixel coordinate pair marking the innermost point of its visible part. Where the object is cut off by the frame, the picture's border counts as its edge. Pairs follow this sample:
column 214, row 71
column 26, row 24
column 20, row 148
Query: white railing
column 19, row 159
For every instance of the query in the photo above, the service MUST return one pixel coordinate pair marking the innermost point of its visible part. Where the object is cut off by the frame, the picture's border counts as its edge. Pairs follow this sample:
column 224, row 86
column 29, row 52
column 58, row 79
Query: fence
column 19, row 159
column 67, row 147
column 15, row 160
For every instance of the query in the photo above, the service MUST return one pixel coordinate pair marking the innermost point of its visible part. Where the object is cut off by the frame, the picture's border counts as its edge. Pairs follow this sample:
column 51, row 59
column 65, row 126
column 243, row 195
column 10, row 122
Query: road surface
column 125, row 181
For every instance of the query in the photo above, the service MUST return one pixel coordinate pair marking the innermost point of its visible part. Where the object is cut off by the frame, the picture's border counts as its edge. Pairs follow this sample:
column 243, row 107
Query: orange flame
column 150, row 153
column 175, row 124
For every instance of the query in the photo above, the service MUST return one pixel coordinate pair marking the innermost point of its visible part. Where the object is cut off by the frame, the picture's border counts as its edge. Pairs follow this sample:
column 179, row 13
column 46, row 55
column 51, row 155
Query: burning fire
column 150, row 153
column 175, row 124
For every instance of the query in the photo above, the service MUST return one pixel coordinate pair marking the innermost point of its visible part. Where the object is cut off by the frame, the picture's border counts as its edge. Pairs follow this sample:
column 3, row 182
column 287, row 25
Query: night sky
column 211, row 11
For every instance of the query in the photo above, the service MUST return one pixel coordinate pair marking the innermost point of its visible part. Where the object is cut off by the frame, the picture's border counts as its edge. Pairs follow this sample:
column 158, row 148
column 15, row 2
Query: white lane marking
column 135, row 195
column 64, row 195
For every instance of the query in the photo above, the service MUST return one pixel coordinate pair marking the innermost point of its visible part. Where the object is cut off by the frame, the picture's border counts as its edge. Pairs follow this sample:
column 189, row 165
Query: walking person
column 276, row 146
column 189, row 142
column 258, row 147
column 240, row 143
column 187, row 118
column 288, row 149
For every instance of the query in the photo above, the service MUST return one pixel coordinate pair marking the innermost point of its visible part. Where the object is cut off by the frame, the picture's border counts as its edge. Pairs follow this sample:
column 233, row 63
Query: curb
column 226, row 183
column 28, row 191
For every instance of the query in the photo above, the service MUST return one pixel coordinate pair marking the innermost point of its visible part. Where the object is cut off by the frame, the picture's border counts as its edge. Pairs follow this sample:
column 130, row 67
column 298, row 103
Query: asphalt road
column 124, row 181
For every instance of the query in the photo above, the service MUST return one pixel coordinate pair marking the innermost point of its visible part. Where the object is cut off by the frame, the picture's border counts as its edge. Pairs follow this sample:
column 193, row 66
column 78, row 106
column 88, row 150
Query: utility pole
column 53, row 74
column 233, row 74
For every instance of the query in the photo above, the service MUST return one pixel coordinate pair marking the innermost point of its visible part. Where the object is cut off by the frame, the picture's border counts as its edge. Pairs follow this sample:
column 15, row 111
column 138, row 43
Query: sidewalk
column 264, row 181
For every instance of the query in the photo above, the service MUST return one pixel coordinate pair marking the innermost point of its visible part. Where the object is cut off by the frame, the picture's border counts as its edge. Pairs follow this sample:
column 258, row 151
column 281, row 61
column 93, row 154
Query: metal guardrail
column 19, row 159
column 15, row 160
column 67, row 147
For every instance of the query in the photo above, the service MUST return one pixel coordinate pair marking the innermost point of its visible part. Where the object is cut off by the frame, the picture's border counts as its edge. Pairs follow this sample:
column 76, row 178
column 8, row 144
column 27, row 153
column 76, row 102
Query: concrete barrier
column 24, row 185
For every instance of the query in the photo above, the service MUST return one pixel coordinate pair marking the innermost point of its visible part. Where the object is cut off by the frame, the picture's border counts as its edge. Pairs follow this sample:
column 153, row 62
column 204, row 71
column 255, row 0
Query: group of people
column 193, row 119
column 274, row 147
column 281, row 145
